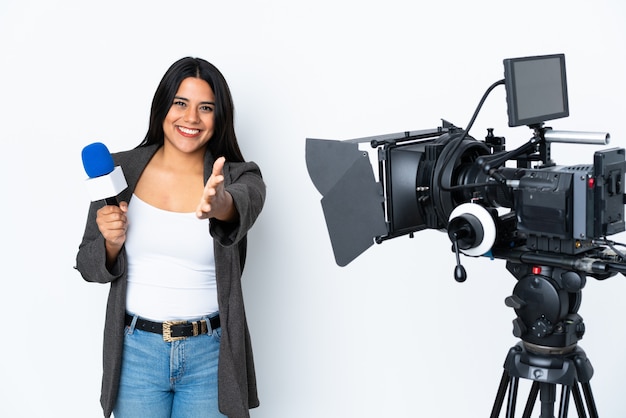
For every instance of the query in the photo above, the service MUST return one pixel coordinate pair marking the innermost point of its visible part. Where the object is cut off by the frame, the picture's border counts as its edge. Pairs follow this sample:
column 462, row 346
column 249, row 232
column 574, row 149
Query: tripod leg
column 532, row 398
column 547, row 396
column 578, row 401
column 591, row 404
column 497, row 405
column 565, row 392
column 510, row 408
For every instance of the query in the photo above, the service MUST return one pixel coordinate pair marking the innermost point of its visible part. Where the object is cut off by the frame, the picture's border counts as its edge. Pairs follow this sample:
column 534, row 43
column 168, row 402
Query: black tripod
column 569, row 368
column 546, row 300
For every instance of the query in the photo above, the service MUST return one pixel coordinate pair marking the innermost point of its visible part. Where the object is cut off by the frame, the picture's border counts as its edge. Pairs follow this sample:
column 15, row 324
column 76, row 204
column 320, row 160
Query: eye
column 179, row 103
column 206, row 108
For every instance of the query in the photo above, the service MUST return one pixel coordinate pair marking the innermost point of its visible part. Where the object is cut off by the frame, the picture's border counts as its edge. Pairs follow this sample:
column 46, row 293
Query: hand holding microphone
column 105, row 182
column 112, row 223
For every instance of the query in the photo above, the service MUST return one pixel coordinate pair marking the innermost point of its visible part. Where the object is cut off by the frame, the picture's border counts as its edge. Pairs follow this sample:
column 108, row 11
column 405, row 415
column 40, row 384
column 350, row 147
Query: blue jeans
column 168, row 379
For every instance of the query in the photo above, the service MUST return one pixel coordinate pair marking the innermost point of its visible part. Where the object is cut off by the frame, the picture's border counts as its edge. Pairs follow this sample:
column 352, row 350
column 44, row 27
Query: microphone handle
column 111, row 201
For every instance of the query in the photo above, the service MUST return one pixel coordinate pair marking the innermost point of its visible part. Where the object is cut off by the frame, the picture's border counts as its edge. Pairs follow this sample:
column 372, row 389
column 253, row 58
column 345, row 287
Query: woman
column 166, row 264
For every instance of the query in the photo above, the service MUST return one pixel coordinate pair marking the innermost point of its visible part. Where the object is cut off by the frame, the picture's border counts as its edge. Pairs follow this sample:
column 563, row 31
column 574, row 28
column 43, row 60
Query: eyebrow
column 185, row 99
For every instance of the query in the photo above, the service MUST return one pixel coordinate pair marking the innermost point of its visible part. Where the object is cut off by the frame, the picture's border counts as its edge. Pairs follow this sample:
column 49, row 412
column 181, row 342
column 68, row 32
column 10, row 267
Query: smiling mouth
column 187, row 131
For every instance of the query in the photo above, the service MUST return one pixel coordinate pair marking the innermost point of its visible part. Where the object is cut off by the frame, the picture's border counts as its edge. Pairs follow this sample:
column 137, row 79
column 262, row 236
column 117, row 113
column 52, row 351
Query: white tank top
column 171, row 264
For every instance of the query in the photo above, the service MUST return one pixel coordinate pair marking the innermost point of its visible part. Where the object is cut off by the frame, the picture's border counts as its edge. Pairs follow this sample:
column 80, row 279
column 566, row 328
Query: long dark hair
column 224, row 141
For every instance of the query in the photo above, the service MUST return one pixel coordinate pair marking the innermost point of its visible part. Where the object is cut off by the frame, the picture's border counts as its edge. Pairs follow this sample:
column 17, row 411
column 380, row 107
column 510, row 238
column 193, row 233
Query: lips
column 187, row 131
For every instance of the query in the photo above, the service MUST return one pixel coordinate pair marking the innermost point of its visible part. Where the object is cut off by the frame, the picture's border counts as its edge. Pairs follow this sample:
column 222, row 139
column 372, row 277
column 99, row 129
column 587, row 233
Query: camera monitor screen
column 536, row 89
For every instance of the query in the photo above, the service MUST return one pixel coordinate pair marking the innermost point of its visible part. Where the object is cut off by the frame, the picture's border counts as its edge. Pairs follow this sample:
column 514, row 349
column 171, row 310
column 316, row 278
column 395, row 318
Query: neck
column 181, row 161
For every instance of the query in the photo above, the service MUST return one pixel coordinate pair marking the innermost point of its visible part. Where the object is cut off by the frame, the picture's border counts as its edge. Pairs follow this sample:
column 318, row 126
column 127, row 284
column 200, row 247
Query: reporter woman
column 176, row 340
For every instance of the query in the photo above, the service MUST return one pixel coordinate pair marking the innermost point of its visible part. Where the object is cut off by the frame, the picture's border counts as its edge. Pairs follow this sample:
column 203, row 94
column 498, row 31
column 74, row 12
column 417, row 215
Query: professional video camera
column 552, row 236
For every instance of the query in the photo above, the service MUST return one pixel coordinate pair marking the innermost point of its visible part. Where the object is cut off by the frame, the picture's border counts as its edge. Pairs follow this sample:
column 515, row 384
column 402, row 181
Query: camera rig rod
column 491, row 163
column 594, row 266
column 404, row 137
column 573, row 137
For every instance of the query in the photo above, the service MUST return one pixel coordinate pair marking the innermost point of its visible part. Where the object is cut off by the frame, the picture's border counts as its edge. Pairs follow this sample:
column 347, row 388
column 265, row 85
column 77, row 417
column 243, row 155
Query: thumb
column 124, row 206
column 218, row 166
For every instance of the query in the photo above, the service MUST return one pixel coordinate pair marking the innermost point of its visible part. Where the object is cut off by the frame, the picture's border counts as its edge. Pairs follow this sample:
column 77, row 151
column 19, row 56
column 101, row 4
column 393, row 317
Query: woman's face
column 188, row 125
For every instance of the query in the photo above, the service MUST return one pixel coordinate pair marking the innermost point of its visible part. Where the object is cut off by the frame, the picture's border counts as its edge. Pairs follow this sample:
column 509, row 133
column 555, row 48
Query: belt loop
column 133, row 323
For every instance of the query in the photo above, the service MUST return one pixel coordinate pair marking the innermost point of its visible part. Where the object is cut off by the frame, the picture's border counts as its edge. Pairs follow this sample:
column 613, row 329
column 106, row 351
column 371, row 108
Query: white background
column 391, row 334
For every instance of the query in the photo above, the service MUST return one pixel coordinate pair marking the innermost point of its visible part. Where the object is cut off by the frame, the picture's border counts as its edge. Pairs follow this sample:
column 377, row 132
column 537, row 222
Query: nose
column 191, row 115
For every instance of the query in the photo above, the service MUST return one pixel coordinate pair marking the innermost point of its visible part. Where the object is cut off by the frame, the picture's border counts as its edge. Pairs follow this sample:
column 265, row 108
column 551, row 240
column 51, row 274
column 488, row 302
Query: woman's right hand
column 112, row 223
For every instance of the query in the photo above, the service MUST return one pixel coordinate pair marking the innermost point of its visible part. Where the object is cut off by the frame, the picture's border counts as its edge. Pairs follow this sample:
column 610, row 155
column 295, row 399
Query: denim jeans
column 168, row 379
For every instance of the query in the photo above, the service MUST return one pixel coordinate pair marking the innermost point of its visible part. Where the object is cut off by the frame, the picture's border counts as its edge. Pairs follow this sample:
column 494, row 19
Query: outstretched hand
column 216, row 202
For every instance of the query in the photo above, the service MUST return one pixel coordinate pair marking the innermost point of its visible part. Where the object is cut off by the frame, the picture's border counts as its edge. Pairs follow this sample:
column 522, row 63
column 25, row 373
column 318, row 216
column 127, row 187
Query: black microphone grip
column 112, row 201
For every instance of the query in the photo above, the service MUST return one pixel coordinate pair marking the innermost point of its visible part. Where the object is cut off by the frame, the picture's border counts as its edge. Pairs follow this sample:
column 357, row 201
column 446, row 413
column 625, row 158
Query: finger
column 112, row 217
column 113, row 228
column 217, row 174
column 108, row 210
column 202, row 213
column 212, row 186
column 211, row 189
column 110, row 214
column 218, row 166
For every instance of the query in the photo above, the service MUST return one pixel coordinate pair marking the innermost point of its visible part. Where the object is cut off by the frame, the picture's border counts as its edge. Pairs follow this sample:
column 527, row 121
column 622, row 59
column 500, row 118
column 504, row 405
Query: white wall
column 391, row 334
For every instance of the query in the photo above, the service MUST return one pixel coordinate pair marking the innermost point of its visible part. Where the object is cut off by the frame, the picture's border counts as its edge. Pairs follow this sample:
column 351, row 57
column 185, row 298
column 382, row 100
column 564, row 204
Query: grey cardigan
column 236, row 375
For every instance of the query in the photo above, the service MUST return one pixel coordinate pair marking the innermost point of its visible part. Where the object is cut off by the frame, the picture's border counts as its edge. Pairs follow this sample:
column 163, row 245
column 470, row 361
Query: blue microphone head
column 97, row 160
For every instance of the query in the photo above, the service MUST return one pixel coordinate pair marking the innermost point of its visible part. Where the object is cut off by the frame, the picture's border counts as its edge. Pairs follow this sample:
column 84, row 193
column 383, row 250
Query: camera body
column 426, row 178
column 559, row 209
column 564, row 209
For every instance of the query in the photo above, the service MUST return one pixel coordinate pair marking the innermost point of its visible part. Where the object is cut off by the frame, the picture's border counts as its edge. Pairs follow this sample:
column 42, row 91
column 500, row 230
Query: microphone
column 105, row 180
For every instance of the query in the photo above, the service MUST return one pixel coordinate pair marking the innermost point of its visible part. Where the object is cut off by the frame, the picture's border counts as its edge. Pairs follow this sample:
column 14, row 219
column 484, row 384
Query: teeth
column 189, row 131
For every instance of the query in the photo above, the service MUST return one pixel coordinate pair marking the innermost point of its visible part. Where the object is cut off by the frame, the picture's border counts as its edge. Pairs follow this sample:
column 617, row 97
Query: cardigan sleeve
column 91, row 257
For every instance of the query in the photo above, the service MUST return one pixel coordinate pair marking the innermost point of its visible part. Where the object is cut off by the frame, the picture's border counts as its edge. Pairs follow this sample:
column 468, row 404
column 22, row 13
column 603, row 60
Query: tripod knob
column 519, row 329
column 573, row 281
column 541, row 327
column 514, row 302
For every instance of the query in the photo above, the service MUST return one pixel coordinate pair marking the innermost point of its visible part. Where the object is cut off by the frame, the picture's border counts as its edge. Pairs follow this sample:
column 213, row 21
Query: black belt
column 176, row 330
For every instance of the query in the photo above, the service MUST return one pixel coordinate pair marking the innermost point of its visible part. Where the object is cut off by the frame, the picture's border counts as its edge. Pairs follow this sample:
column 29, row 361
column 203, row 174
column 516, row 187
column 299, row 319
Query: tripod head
column 546, row 300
